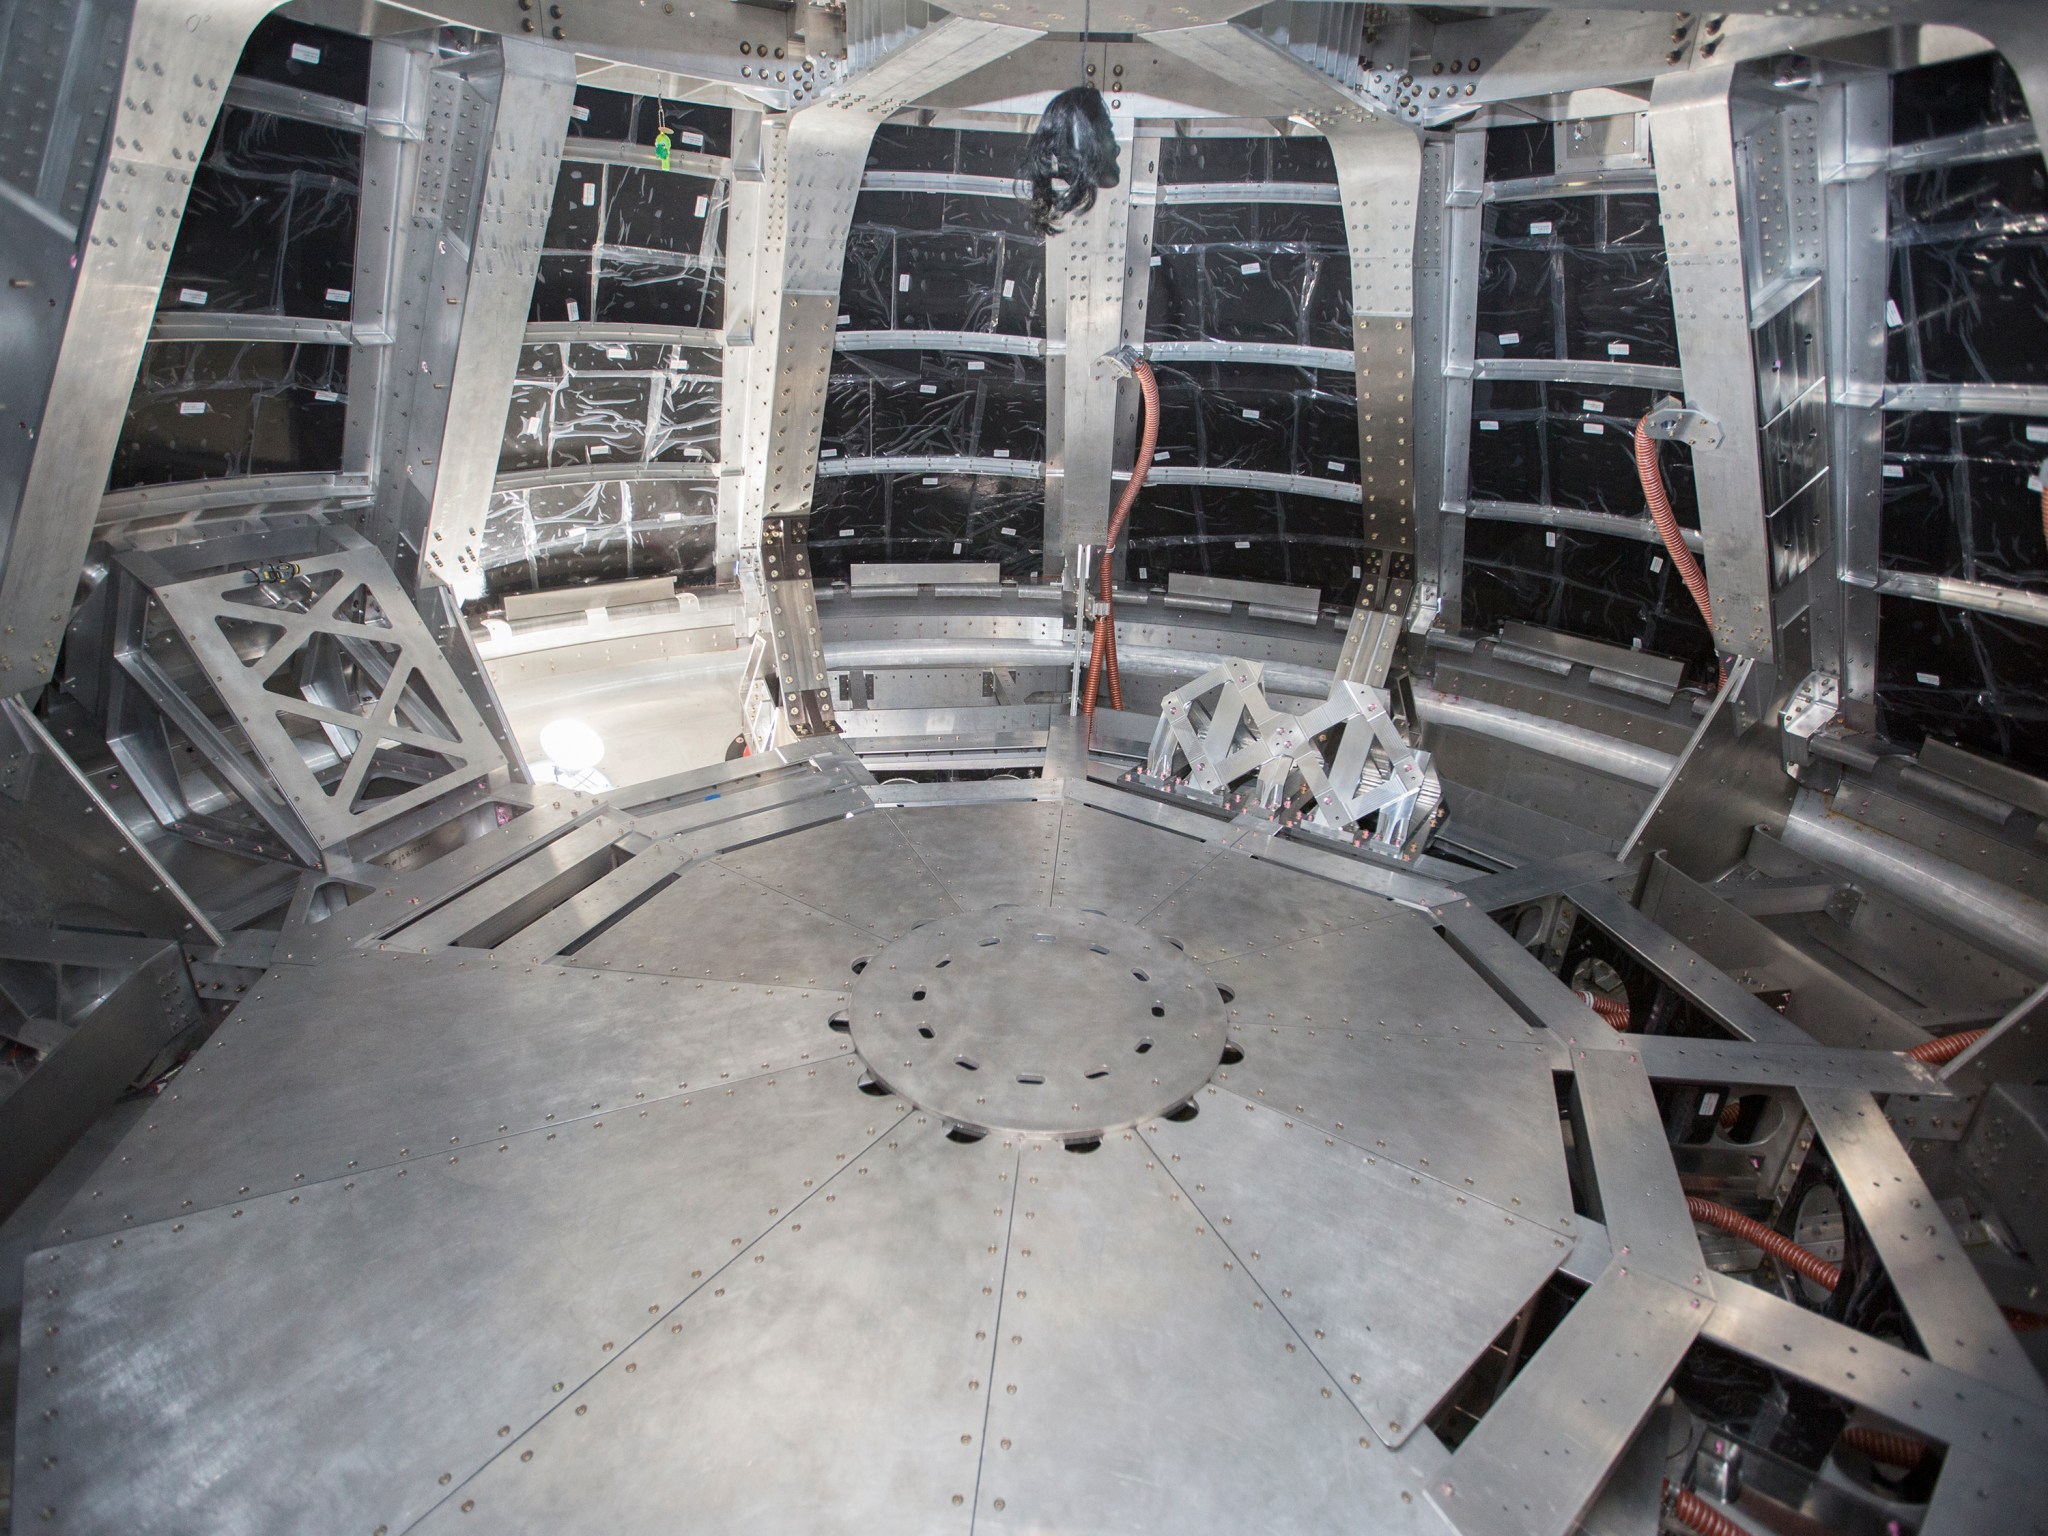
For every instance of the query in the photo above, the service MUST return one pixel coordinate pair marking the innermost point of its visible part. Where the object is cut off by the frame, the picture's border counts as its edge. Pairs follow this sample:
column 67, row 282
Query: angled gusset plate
column 386, row 1057
column 1337, row 1238
column 1481, row 1118
column 834, row 1378
column 1146, row 1380
column 715, row 922
column 334, row 1357
column 985, row 854
column 1236, row 904
column 894, row 888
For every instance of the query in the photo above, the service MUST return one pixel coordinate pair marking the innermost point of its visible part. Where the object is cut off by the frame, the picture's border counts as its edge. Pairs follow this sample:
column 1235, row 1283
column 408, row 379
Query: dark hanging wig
column 1075, row 144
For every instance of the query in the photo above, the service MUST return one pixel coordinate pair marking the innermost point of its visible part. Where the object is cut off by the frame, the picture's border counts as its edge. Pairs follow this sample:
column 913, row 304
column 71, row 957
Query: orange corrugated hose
column 1932, row 1053
column 1614, row 1010
column 1102, row 654
column 1780, row 1247
column 1688, row 1508
column 1650, row 471
column 1885, row 1445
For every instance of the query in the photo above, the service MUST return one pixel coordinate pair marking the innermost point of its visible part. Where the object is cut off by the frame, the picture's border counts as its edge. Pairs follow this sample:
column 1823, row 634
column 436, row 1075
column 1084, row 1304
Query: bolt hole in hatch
column 1021, row 1036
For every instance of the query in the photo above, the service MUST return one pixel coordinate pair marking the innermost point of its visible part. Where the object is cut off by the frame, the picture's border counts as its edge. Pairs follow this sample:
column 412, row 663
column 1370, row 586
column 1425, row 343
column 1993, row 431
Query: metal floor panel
column 986, row 854
column 1144, row 1380
column 1477, row 1117
column 833, row 1378
column 1112, row 864
column 713, row 922
column 368, row 1061
column 1338, row 1239
column 1237, row 903
column 859, row 869
column 336, row 1357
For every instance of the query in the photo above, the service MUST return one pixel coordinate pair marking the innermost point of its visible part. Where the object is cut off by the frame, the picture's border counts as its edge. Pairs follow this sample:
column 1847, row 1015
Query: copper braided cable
column 1102, row 653
column 1932, row 1053
column 1688, row 1508
column 1650, row 471
column 1885, row 1445
column 1614, row 1010
column 1780, row 1247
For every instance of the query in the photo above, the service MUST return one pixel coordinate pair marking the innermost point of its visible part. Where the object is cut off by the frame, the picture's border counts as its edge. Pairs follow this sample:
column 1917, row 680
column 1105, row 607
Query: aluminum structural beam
column 1691, row 132
column 85, row 272
column 813, row 164
column 484, row 184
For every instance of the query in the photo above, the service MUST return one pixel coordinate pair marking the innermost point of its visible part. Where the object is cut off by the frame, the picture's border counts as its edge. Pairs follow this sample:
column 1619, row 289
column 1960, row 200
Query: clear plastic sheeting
column 270, row 228
column 215, row 409
column 1516, row 151
column 924, row 518
column 1246, row 534
column 925, row 261
column 1284, row 421
column 1937, row 100
column 925, row 404
column 1969, row 282
column 1582, row 277
column 1190, row 161
column 618, row 118
column 946, row 151
column 1619, row 590
column 1962, row 498
column 632, row 245
column 1569, row 445
column 1251, row 272
column 573, row 535
column 612, row 403
column 1972, row 679
column 308, row 58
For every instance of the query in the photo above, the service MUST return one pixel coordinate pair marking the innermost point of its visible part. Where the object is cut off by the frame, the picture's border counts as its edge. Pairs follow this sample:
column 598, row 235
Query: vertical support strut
column 87, row 271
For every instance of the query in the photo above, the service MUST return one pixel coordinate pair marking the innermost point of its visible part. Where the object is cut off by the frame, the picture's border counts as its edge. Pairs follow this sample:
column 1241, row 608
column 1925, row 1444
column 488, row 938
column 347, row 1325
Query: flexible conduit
column 1614, row 1010
column 1689, row 1509
column 1650, row 471
column 1102, row 654
column 1932, row 1053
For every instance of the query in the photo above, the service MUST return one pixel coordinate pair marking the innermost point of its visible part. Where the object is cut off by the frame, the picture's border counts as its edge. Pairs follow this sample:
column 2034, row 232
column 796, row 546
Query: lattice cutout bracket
column 1220, row 734
column 337, row 685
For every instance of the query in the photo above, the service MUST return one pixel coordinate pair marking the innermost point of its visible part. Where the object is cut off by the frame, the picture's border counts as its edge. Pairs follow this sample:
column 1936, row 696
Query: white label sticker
column 903, row 282
column 1550, row 538
column 1617, row 349
column 1656, row 562
column 1928, row 678
column 930, row 480
column 693, row 453
column 1592, row 407
column 1356, row 572
column 590, row 194
column 828, row 453
column 956, row 546
column 326, row 394
column 844, row 320
column 2034, row 483
column 1143, row 573
column 581, row 114
column 1155, row 261
column 617, row 353
column 927, row 389
column 1248, row 269
column 1540, row 227
column 2037, row 433
column 1509, row 338
column 191, row 407
column 600, row 448
column 1002, row 453
column 671, row 517
column 304, row 53
column 691, row 137
column 976, row 366
column 338, row 295
column 1592, row 428
column 575, row 310
column 702, row 204
column 1160, row 455
column 1709, row 1102
column 1009, row 287
column 1251, row 415
column 1244, row 543
column 1895, row 471
column 1892, row 317
column 191, row 296
column 1489, row 426
column 1333, row 466
column 846, row 533
column 1009, row 533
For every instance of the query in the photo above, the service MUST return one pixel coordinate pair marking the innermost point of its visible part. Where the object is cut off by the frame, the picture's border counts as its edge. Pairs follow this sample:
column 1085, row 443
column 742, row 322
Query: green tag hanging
column 661, row 138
